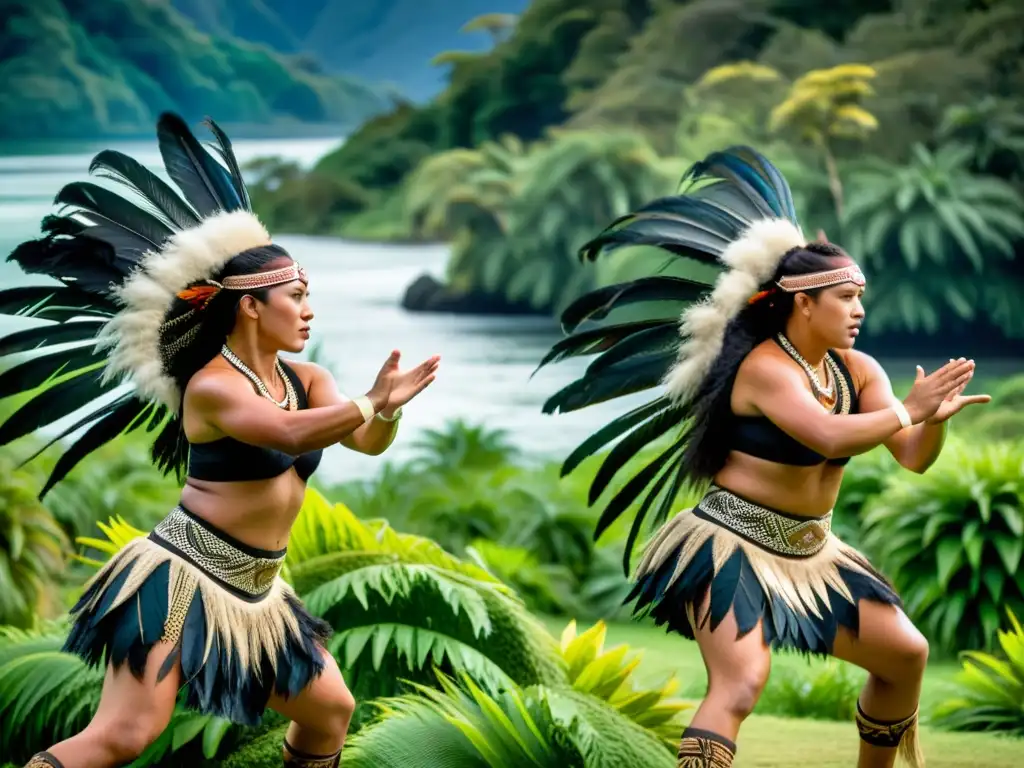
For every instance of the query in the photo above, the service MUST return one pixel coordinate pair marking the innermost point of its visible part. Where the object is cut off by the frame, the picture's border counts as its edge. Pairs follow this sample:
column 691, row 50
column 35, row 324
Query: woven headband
column 795, row 283
column 848, row 274
column 201, row 295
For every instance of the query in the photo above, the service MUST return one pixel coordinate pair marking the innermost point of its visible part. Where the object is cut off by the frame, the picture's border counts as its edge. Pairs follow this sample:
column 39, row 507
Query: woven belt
column 243, row 569
column 777, row 532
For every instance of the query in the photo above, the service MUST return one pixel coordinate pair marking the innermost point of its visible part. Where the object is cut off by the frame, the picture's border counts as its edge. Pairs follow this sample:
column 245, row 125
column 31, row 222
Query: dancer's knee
column 738, row 694
column 904, row 661
column 124, row 740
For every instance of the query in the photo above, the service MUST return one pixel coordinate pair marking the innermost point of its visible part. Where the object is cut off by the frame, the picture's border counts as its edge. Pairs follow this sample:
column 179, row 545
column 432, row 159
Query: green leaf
column 1010, row 550
column 948, row 558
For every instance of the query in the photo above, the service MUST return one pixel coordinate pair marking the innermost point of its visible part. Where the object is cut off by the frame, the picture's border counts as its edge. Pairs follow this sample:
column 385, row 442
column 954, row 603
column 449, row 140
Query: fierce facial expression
column 836, row 314
column 283, row 320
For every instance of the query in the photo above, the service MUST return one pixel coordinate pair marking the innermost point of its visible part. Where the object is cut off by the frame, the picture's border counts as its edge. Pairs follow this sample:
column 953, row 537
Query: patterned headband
column 848, row 274
column 794, row 283
column 201, row 295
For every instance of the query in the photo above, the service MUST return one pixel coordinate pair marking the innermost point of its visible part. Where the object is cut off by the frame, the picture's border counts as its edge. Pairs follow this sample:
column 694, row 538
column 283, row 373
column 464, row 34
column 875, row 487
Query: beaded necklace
column 836, row 398
column 290, row 401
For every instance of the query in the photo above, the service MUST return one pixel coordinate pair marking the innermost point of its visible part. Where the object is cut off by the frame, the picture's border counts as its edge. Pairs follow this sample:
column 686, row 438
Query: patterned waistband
column 243, row 570
column 778, row 532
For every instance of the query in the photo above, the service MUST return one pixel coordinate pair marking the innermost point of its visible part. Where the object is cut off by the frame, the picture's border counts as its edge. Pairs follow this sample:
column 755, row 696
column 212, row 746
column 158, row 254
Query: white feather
column 189, row 256
column 752, row 259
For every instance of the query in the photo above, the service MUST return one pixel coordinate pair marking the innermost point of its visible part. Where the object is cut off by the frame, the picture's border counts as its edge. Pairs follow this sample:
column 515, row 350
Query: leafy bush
column 952, row 539
column 822, row 692
column 537, row 726
column 608, row 675
column 32, row 548
column 991, row 695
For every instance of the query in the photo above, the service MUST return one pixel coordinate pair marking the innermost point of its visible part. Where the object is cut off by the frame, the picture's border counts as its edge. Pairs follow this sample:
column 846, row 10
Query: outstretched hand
column 405, row 385
column 955, row 402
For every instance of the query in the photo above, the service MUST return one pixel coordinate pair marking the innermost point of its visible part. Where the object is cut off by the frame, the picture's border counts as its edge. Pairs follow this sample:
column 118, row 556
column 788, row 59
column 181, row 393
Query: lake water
column 487, row 362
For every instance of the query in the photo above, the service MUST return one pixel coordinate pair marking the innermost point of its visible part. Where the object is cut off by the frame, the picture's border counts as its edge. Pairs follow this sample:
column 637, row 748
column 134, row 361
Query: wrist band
column 902, row 414
column 365, row 407
column 396, row 417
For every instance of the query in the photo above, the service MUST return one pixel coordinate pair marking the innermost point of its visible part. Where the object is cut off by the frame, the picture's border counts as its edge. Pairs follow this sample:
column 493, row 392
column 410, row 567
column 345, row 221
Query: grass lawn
column 778, row 742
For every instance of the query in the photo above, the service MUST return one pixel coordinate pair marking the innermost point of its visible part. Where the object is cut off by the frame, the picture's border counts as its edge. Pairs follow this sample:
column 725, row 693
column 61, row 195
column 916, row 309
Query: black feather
column 202, row 180
column 671, row 471
column 170, row 449
column 612, row 430
column 624, row 378
column 153, row 190
column 629, row 446
column 660, row 340
column 596, row 340
column 675, row 235
column 228, row 155
column 87, row 419
column 86, row 263
column 110, row 426
column 35, row 372
column 628, row 493
column 58, row 303
column 46, row 335
column 596, row 305
column 54, row 403
column 141, row 227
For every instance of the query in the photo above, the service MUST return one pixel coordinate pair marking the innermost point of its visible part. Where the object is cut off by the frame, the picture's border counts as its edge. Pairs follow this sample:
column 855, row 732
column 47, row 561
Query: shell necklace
column 290, row 401
column 836, row 401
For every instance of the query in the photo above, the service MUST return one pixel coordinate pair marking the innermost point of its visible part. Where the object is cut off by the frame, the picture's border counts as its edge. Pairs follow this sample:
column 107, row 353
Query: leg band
column 703, row 749
column 43, row 760
column 891, row 734
column 294, row 758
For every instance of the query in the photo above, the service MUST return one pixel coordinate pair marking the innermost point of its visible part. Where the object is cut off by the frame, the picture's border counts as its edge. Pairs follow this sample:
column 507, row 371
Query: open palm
column 955, row 402
column 405, row 385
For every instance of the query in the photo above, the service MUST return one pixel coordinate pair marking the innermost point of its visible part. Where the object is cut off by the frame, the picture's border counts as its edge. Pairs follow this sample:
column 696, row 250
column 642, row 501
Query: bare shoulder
column 309, row 373
column 862, row 366
column 212, row 383
column 764, row 363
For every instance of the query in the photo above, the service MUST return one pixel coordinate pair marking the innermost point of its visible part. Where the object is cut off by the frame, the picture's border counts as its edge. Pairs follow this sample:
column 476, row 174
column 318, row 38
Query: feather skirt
column 730, row 554
column 237, row 629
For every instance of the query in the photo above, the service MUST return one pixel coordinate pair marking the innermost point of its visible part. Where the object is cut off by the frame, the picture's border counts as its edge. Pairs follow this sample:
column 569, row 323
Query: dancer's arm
column 779, row 391
column 226, row 402
column 915, row 448
column 376, row 436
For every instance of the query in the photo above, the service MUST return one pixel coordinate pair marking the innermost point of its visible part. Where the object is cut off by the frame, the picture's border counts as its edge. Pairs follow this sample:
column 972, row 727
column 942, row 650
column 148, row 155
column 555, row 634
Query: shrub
column 991, row 689
column 820, row 692
column 952, row 539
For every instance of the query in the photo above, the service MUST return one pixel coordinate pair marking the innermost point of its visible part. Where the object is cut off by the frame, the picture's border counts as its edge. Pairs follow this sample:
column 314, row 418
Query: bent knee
column 910, row 654
column 903, row 660
column 738, row 695
column 127, row 739
column 337, row 711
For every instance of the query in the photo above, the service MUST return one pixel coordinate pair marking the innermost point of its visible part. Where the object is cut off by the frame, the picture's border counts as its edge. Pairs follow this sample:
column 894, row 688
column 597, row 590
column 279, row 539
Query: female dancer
column 204, row 303
column 771, row 401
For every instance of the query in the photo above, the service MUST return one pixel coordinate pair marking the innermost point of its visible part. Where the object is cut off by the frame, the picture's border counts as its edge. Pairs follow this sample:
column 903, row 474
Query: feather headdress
column 119, row 262
column 737, row 214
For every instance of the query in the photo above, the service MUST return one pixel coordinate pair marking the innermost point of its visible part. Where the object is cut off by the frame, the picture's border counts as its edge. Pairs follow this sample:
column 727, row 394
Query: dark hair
column 706, row 440
column 192, row 337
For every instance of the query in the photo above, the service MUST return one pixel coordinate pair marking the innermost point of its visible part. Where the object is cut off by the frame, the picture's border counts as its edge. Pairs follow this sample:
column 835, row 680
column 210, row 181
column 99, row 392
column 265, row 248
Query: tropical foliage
column 953, row 539
column 32, row 548
column 991, row 687
column 899, row 129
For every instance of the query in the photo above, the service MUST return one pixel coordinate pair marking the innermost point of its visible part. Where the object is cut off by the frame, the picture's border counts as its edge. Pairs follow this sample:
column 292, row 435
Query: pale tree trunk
column 835, row 184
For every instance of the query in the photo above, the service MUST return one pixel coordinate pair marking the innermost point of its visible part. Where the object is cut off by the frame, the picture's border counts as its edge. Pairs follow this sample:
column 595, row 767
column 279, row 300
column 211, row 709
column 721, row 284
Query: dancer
column 768, row 401
column 190, row 302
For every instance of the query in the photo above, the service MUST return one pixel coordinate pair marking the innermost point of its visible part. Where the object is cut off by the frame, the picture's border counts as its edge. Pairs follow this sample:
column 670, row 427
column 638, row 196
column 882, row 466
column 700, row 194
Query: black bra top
column 229, row 460
column 759, row 436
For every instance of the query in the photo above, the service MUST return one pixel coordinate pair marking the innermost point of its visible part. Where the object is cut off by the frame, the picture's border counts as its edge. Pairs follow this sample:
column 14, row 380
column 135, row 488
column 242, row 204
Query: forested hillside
column 71, row 69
